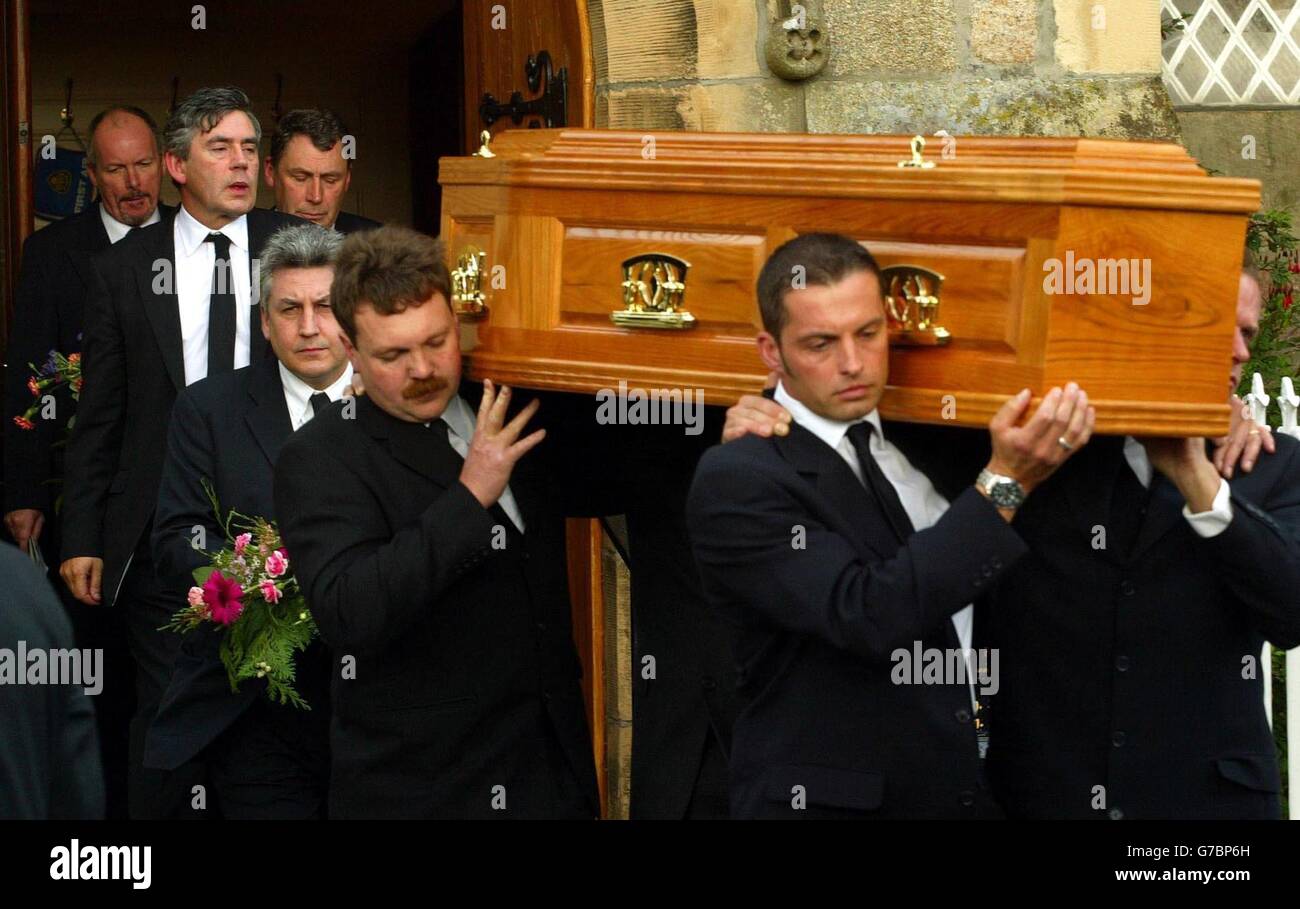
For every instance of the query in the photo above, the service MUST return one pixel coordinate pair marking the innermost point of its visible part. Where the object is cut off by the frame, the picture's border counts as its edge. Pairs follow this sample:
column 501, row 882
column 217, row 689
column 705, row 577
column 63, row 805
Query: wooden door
column 15, row 151
column 500, row 36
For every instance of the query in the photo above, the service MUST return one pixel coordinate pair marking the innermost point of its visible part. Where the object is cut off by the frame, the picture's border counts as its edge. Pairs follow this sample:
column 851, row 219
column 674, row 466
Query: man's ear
column 266, row 322
column 175, row 167
column 268, row 173
column 769, row 350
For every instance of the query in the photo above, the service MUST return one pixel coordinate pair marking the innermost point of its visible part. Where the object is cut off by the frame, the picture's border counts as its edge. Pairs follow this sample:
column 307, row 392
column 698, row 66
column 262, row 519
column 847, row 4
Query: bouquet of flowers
column 56, row 372
column 250, row 593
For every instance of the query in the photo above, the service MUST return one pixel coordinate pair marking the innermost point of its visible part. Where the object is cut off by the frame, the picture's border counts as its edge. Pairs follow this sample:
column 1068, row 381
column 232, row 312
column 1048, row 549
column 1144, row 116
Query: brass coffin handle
column 654, row 287
column 912, row 303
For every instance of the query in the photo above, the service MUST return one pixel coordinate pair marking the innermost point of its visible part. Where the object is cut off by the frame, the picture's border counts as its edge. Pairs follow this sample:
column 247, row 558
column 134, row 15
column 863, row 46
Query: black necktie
column 877, row 482
column 319, row 401
column 221, row 309
column 441, row 428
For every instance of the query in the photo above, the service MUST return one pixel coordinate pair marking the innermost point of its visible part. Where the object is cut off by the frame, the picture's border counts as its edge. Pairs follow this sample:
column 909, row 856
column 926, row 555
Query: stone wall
column 1031, row 67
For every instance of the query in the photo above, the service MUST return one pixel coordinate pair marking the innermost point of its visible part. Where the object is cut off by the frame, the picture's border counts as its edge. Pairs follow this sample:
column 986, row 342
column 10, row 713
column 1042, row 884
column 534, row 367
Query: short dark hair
column 388, row 268
column 92, row 158
column 201, row 112
column 810, row 260
column 323, row 127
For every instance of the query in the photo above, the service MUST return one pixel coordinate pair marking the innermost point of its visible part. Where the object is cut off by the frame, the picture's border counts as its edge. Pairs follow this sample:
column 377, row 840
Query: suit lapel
column 268, row 419
column 260, row 228
column 411, row 444
column 854, row 512
column 162, row 310
column 1164, row 511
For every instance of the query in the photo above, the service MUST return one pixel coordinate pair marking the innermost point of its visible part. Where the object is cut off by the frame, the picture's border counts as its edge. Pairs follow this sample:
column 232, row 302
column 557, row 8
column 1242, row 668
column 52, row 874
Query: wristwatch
column 1004, row 492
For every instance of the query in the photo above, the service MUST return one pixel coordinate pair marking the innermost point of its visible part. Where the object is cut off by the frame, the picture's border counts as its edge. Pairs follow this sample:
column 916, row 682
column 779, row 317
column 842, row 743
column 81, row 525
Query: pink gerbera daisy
column 222, row 595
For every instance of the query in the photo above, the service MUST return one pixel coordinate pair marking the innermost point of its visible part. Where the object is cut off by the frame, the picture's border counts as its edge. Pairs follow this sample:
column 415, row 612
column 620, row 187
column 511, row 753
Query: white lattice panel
column 1233, row 52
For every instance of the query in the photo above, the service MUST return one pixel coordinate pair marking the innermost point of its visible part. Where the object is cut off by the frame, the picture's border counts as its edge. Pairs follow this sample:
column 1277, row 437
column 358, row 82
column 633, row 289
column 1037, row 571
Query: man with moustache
column 266, row 760
column 1130, row 636
column 832, row 548
column 430, row 545
column 171, row 304
column 125, row 167
column 307, row 171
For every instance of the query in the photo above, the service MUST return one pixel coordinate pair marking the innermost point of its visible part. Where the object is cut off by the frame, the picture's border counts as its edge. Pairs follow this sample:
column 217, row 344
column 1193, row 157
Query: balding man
column 125, row 168
column 126, row 171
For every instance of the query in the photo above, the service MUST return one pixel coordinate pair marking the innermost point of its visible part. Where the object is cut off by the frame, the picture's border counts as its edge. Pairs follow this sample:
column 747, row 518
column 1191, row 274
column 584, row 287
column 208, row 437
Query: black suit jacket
column 815, row 626
column 347, row 223
column 228, row 429
column 133, row 367
column 466, row 677
column 49, row 752
column 53, row 284
column 689, row 702
column 1139, row 672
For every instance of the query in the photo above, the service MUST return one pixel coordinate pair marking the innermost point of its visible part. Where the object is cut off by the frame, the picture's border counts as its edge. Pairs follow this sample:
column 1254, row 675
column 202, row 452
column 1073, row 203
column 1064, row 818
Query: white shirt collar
column 459, row 417
column 297, row 393
column 829, row 431
column 116, row 229
column 190, row 234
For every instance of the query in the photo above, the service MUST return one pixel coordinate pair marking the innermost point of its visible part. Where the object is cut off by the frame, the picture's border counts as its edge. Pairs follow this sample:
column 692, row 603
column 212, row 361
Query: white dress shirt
column 922, row 502
column 297, row 394
column 1206, row 523
column 115, row 229
column 460, row 418
column 194, row 263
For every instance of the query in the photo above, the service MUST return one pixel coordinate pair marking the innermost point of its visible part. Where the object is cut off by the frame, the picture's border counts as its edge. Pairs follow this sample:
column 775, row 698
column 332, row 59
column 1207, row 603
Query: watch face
column 1006, row 494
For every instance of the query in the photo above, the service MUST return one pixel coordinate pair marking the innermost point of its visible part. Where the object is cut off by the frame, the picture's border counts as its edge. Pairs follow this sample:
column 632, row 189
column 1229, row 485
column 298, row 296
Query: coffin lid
column 1062, row 171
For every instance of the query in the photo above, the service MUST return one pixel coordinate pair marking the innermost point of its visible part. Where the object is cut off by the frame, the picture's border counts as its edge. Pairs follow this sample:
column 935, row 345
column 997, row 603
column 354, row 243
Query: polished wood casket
column 589, row 258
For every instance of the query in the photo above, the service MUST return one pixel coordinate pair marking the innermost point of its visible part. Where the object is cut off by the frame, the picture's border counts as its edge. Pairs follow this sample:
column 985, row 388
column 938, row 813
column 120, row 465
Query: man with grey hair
column 170, row 304
column 309, row 169
column 264, row 760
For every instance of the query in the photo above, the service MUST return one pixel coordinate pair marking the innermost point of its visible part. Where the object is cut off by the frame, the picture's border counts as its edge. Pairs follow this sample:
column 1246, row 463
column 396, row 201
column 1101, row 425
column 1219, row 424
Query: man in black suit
column 172, row 303
column 432, row 555
column 1130, row 637
column 310, row 169
column 266, row 760
column 834, row 554
column 125, row 167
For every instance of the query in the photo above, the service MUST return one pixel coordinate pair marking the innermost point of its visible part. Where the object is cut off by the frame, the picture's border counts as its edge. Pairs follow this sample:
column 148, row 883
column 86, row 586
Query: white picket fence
column 1288, row 403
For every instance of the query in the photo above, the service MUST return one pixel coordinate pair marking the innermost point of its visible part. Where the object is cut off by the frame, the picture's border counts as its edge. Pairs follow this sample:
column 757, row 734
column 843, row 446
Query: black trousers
column 272, row 763
column 147, row 605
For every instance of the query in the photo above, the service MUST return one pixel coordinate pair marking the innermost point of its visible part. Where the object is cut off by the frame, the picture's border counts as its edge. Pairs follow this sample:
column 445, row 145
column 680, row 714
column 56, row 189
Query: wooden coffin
column 1008, row 222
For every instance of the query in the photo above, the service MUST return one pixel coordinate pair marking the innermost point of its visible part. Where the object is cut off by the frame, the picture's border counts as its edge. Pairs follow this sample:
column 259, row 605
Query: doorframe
column 16, row 223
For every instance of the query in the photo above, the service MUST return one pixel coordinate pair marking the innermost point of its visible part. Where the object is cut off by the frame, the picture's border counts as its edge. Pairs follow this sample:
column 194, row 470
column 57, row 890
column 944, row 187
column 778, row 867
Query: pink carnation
column 196, row 597
column 276, row 564
column 241, row 543
column 222, row 595
column 270, row 592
